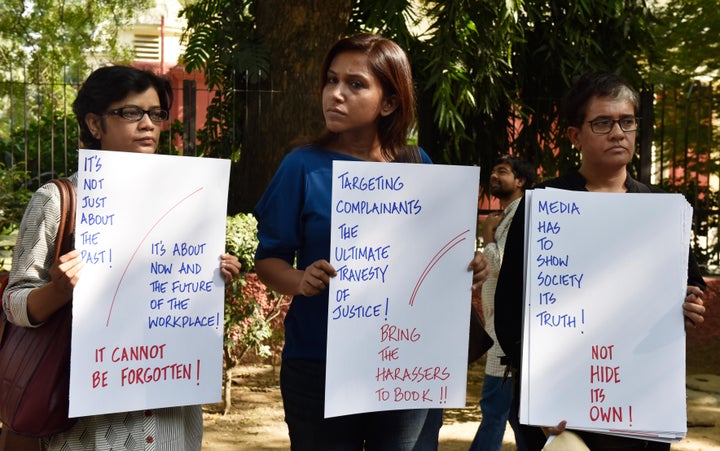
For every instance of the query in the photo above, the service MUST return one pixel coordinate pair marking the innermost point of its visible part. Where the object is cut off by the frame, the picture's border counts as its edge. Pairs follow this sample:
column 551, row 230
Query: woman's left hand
column 479, row 267
column 229, row 267
column 693, row 307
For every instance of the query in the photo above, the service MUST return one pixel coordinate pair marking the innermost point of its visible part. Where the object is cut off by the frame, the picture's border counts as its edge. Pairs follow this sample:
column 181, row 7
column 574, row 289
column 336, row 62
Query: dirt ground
column 256, row 419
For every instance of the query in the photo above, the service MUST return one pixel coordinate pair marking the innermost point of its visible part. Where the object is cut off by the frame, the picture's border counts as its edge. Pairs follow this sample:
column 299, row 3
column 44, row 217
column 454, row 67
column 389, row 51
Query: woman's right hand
column 43, row 301
column 316, row 277
column 65, row 273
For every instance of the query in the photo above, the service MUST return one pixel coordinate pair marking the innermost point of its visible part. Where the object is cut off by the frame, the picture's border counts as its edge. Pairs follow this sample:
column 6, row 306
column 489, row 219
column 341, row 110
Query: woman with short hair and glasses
column 122, row 108
column 600, row 114
column 118, row 108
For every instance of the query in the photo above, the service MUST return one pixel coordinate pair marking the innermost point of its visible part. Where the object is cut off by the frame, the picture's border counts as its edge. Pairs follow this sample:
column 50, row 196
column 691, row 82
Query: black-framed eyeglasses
column 605, row 126
column 135, row 113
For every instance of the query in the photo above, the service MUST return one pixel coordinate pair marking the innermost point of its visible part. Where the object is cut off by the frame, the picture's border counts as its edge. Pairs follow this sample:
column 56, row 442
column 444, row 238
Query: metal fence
column 678, row 143
column 684, row 158
column 39, row 134
column 35, row 132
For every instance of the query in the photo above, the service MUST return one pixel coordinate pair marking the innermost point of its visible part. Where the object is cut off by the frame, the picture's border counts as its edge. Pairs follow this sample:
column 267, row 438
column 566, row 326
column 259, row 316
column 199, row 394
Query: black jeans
column 302, row 383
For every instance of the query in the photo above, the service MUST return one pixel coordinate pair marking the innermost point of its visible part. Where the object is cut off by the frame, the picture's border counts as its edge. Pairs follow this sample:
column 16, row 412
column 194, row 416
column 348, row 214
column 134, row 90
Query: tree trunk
column 227, row 390
column 298, row 34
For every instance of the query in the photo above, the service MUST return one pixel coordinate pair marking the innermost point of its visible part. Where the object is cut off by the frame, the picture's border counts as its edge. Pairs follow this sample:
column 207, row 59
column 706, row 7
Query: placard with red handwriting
column 402, row 238
column 148, row 309
column 604, row 340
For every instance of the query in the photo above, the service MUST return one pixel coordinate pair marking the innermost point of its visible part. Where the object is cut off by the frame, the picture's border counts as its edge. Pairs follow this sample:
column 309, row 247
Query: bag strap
column 66, row 228
column 3, row 317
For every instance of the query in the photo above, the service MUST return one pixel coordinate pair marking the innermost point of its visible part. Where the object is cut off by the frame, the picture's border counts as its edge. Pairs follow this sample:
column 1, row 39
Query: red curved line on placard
column 112, row 304
column 427, row 271
column 433, row 261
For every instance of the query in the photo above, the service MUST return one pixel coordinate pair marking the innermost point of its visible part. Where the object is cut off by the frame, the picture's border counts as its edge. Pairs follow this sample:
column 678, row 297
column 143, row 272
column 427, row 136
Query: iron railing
column 678, row 143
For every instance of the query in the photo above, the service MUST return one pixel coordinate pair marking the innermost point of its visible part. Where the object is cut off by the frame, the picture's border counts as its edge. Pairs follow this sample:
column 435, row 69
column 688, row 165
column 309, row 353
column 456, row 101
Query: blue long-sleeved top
column 294, row 217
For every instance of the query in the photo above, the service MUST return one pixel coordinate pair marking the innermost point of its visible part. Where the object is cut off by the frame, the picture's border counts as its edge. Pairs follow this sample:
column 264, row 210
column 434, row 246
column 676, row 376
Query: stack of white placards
column 604, row 339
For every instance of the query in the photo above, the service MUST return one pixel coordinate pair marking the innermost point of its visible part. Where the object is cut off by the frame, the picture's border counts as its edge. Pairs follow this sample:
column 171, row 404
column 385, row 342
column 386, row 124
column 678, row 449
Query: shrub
column 253, row 320
column 14, row 197
column 253, row 313
column 241, row 239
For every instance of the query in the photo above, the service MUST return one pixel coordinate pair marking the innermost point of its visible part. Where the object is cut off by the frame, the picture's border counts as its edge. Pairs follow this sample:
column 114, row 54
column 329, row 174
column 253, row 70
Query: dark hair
column 389, row 63
column 521, row 168
column 573, row 107
column 110, row 84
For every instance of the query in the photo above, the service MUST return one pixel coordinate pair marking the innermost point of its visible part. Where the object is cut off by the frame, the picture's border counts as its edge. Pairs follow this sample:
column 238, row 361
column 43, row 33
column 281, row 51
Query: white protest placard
column 148, row 309
column 402, row 237
column 604, row 336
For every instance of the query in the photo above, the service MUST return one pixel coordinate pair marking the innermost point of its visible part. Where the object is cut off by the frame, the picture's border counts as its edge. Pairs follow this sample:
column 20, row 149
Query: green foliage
column 392, row 19
column 14, row 197
column 253, row 313
column 245, row 326
column 520, row 69
column 51, row 46
column 222, row 43
column 53, row 36
column 241, row 239
column 687, row 37
column 490, row 73
column 46, row 146
column 253, row 320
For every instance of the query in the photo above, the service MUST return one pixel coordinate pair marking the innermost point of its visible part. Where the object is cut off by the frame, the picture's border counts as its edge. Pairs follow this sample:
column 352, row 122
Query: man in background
column 509, row 178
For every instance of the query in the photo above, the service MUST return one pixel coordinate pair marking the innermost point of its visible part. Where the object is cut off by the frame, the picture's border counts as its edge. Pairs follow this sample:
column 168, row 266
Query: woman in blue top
column 369, row 108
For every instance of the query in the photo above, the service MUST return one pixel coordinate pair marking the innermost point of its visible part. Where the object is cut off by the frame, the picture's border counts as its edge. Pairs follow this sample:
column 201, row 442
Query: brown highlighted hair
column 389, row 63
